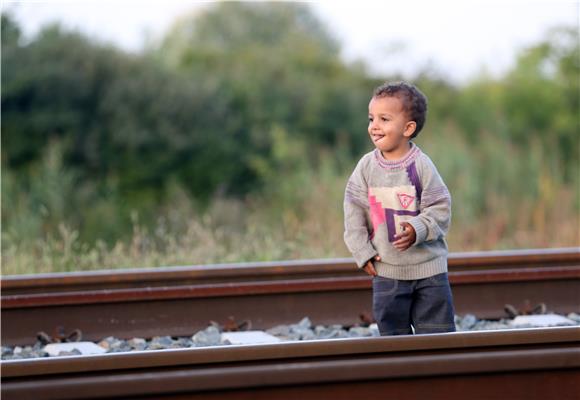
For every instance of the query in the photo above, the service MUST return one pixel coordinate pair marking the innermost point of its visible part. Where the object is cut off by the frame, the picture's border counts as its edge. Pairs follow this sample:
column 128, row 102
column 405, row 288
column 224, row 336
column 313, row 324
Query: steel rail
column 537, row 363
column 216, row 273
column 270, row 287
column 182, row 310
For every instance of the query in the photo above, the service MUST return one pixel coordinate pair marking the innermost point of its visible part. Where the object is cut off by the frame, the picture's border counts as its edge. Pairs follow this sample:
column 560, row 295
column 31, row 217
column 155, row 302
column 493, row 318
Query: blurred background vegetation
column 232, row 139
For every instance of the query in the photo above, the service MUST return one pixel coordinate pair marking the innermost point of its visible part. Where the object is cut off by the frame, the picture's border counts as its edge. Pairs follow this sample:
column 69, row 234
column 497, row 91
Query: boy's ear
column 410, row 128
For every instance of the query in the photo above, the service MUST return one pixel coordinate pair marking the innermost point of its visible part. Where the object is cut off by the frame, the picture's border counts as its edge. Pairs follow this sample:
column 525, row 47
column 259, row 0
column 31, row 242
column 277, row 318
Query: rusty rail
column 528, row 363
column 280, row 270
column 482, row 284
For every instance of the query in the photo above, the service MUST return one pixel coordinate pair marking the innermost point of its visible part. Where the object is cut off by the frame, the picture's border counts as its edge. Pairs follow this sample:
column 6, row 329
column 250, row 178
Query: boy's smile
column 389, row 127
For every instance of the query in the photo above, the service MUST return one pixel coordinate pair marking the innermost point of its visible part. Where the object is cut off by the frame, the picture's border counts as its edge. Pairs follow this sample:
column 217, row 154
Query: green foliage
column 10, row 31
column 231, row 140
column 543, row 96
column 275, row 66
column 120, row 117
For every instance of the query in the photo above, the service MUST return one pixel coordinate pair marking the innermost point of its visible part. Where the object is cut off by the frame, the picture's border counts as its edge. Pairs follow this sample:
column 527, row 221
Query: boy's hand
column 406, row 238
column 370, row 268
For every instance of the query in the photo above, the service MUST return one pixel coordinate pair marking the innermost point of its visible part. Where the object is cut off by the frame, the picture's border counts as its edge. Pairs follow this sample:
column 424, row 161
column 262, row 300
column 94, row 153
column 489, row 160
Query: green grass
column 503, row 198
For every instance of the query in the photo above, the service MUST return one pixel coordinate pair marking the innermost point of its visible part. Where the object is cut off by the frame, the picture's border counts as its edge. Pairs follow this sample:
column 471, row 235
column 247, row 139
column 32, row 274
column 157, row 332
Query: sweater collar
column 402, row 163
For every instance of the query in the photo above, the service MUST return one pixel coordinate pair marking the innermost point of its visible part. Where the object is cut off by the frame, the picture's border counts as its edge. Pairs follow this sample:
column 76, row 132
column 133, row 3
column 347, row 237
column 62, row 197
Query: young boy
column 397, row 211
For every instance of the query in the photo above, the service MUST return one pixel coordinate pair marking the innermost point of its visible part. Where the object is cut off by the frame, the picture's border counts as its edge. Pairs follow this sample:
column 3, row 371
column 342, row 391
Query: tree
column 277, row 68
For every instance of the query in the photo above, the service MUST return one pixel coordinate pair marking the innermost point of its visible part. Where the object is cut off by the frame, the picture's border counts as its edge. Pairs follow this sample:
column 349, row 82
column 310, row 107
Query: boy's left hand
column 406, row 238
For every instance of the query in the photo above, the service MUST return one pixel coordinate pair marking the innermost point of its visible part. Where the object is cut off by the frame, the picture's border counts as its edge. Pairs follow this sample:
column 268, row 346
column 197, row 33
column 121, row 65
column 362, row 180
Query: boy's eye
column 383, row 119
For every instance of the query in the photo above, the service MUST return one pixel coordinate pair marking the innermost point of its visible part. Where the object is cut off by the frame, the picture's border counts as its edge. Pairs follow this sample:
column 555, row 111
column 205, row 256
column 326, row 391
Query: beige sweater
column 380, row 194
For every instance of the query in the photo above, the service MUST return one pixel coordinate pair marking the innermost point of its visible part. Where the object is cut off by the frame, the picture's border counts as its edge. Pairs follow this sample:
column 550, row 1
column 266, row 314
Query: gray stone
column 302, row 330
column 323, row 332
column 184, row 342
column 294, row 336
column 279, row 330
column 574, row 317
column 25, row 352
column 467, row 322
column 301, row 326
column 208, row 337
column 305, row 323
column 331, row 332
column 121, row 346
column 138, row 344
column 342, row 334
column 307, row 334
column 115, row 345
column 110, row 343
column 160, row 342
column 489, row 325
column 319, row 329
column 359, row 331
column 38, row 346
column 7, row 351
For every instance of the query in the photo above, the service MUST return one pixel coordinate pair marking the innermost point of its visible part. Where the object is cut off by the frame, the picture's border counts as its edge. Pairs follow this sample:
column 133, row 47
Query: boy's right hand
column 370, row 268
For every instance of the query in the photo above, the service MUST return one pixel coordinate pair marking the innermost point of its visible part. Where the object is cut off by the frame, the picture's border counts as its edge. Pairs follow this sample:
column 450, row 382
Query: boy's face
column 389, row 126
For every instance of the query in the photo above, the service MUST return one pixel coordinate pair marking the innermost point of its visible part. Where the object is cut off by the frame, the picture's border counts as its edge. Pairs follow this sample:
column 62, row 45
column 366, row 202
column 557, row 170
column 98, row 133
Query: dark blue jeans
column 426, row 304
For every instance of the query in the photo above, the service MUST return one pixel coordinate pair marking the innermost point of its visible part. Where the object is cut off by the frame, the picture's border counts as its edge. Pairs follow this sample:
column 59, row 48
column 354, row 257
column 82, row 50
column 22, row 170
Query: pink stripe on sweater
column 377, row 212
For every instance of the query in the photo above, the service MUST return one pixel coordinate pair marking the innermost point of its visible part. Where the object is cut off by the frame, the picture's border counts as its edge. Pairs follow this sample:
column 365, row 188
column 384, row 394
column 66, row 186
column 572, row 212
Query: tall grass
column 506, row 196
column 503, row 197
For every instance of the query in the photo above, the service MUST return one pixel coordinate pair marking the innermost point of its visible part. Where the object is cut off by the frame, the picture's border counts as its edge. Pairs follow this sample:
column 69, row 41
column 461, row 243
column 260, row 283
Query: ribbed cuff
column 412, row 271
column 363, row 255
column 420, row 229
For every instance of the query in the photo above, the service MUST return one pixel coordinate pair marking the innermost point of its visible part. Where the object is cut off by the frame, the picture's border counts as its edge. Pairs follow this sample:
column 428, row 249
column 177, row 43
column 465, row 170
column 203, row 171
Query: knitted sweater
column 379, row 195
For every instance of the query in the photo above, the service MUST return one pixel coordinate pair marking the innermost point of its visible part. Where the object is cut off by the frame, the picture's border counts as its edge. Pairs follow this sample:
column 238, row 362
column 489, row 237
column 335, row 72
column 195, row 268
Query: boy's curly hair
column 414, row 101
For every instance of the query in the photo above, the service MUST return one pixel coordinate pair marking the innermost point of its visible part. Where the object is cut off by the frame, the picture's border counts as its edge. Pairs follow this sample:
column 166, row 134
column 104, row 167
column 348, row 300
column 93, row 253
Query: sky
column 458, row 39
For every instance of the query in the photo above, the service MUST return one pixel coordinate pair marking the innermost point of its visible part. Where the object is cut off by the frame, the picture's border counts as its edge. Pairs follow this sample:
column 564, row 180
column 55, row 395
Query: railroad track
column 178, row 301
column 472, row 262
column 518, row 364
